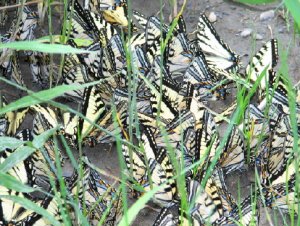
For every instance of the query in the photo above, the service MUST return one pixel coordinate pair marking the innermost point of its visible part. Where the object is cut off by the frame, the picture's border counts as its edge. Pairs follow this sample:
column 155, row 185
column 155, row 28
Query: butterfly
column 18, row 32
column 199, row 74
column 141, row 19
column 86, row 25
column 233, row 155
column 204, row 141
column 40, row 67
column 177, row 53
column 82, row 68
column 247, row 213
column 256, row 127
column 282, row 196
column 203, row 207
column 277, row 163
column 168, row 215
column 217, row 53
column 107, row 122
column 119, row 15
column 176, row 130
column 161, row 173
column 45, row 118
column 13, row 119
column 264, row 60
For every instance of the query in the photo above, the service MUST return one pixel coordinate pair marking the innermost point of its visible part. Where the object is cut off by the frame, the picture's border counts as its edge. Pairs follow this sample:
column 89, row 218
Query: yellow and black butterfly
column 168, row 216
column 176, row 130
column 160, row 174
column 204, row 141
column 40, row 67
column 86, row 25
column 256, row 127
column 217, row 52
column 247, row 213
column 278, row 165
column 54, row 207
column 282, row 196
column 264, row 61
column 45, row 118
column 199, row 74
column 177, row 54
column 93, row 108
column 13, row 119
column 18, row 32
column 107, row 122
column 233, row 156
column 204, row 208
column 9, row 210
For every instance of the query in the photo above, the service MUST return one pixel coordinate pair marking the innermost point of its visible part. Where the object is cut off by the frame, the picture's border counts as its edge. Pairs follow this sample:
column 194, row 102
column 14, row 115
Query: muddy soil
column 232, row 18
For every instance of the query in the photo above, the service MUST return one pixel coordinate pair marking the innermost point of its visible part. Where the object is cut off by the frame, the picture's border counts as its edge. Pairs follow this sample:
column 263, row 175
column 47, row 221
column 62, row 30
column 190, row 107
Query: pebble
column 267, row 15
column 246, row 32
column 259, row 37
column 281, row 30
column 212, row 17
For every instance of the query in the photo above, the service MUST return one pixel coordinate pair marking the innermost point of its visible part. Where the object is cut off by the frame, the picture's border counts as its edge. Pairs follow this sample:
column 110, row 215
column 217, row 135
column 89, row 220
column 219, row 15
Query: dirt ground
column 232, row 18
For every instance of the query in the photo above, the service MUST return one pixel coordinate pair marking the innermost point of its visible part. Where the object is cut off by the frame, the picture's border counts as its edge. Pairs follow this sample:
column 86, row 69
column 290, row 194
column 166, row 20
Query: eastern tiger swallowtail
column 233, row 156
column 88, row 25
column 14, row 119
column 217, row 53
column 278, row 164
column 178, row 55
column 282, row 196
column 264, row 61
column 168, row 216
column 247, row 213
column 107, row 122
column 204, row 209
column 40, row 67
column 161, row 173
column 199, row 74
column 45, row 118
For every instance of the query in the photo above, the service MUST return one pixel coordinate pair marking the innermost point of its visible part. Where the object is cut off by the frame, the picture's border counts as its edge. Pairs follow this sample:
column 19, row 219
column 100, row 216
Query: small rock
column 212, row 17
column 267, row 15
column 246, row 32
column 259, row 37
column 281, row 30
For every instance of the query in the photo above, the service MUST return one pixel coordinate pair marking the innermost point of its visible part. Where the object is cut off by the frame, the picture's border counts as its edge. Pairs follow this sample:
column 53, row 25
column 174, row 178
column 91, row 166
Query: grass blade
column 13, row 184
column 20, row 154
column 9, row 143
column 42, row 96
column 42, row 47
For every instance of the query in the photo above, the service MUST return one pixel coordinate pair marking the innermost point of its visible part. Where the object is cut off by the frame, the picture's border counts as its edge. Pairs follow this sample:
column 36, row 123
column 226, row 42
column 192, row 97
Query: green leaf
column 255, row 1
column 17, row 156
column 40, row 140
column 294, row 7
column 42, row 96
column 13, row 184
column 27, row 204
column 9, row 143
column 42, row 47
column 56, row 38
